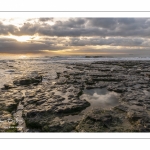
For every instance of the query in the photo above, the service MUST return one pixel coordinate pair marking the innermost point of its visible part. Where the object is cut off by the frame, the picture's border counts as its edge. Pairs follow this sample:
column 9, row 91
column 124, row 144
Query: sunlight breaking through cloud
column 75, row 35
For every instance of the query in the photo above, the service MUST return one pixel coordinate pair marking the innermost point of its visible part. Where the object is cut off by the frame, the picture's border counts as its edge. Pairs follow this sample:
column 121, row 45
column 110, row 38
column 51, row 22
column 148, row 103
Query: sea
column 13, row 67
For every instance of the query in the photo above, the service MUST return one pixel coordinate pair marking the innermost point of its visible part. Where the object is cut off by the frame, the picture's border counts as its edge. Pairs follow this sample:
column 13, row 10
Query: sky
column 75, row 36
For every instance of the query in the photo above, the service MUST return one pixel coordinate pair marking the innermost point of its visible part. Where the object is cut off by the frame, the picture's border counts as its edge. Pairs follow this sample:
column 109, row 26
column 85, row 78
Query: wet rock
column 105, row 118
column 9, row 86
column 136, row 103
column 28, row 101
column 73, row 107
column 28, row 80
column 59, row 126
column 11, row 106
column 70, row 96
column 98, row 121
column 108, row 79
column 59, row 95
column 135, row 116
column 35, row 112
column 121, row 108
column 119, row 88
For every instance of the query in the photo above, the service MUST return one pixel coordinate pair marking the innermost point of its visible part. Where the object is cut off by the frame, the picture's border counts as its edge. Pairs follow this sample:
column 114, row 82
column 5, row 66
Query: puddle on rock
column 100, row 98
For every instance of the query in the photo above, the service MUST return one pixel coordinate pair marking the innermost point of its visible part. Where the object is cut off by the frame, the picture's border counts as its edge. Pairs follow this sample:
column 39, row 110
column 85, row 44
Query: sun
column 22, row 38
column 23, row 56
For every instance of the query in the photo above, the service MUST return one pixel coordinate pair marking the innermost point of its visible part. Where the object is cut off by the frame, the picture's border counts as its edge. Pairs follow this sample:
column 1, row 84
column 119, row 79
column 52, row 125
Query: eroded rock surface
column 45, row 98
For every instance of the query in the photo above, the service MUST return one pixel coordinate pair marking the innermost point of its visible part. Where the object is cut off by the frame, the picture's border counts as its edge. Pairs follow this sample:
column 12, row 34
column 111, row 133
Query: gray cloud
column 45, row 19
column 74, row 27
column 98, row 27
column 54, row 44
column 109, row 23
column 118, row 41
column 77, row 32
column 6, row 29
column 13, row 46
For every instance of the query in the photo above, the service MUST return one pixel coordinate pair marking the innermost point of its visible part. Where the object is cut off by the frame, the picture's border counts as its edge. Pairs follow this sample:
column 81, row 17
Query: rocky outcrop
column 28, row 80
column 44, row 105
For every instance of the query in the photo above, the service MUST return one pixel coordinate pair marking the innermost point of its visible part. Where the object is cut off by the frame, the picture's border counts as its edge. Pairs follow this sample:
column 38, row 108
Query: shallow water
column 9, row 71
column 100, row 98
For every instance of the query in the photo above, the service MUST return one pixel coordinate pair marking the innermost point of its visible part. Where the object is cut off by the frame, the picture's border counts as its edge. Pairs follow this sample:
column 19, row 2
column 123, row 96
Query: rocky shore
column 53, row 98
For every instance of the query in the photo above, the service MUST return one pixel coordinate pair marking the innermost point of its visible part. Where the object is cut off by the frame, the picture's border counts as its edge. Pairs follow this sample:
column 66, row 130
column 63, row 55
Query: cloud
column 97, row 27
column 13, row 46
column 28, row 29
column 108, row 23
column 76, row 45
column 45, row 19
column 6, row 29
column 112, row 41
column 74, row 27
column 81, row 34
